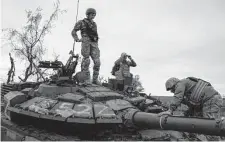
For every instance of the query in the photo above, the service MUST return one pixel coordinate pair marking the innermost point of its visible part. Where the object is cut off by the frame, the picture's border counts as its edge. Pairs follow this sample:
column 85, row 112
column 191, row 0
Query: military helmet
column 90, row 10
column 123, row 54
column 171, row 82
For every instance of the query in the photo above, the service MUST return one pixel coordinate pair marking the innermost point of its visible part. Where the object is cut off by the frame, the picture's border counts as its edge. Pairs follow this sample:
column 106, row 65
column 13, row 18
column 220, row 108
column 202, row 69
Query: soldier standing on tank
column 122, row 66
column 89, row 46
column 200, row 97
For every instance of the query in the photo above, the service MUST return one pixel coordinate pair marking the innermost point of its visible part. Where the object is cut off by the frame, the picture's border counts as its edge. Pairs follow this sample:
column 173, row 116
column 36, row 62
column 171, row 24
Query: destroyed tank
column 66, row 108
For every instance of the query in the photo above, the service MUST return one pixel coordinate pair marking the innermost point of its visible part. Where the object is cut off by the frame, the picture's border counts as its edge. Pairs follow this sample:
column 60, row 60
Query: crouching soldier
column 200, row 97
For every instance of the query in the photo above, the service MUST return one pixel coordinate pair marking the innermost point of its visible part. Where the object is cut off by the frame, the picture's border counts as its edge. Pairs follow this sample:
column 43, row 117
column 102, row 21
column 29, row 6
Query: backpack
column 115, row 68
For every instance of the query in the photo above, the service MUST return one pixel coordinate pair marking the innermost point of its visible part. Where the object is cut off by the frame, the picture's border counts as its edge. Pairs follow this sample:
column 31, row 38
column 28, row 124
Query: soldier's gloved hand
column 77, row 39
column 168, row 112
column 129, row 56
column 81, row 40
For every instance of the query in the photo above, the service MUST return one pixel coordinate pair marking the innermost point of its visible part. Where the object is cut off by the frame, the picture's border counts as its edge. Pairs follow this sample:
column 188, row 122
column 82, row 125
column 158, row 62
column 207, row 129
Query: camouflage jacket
column 87, row 28
column 183, row 92
column 124, row 66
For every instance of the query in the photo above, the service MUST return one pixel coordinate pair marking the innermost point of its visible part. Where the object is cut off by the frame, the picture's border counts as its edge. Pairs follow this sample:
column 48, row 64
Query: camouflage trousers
column 88, row 49
column 210, row 109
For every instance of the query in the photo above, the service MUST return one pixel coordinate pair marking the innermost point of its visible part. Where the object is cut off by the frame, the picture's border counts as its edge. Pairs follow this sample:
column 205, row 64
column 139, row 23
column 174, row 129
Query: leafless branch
column 28, row 42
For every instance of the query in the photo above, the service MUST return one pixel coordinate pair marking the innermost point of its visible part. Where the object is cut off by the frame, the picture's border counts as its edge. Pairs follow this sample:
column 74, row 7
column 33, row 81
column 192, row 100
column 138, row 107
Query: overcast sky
column 167, row 38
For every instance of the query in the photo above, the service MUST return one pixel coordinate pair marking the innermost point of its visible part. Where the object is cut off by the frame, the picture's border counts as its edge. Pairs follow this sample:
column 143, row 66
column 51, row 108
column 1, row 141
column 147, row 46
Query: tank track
column 38, row 134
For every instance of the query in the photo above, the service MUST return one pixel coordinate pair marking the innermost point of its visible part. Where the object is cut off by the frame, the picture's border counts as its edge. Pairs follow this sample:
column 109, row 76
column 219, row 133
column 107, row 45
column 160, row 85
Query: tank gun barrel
column 178, row 123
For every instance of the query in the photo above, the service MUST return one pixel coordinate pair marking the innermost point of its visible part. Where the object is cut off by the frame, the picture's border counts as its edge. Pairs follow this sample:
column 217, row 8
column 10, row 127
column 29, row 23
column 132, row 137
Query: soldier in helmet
column 122, row 66
column 89, row 46
column 200, row 97
column 196, row 94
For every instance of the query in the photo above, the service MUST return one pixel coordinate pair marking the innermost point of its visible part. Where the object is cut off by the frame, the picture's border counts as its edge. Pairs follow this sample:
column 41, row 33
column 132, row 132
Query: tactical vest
column 90, row 29
column 125, row 68
column 197, row 93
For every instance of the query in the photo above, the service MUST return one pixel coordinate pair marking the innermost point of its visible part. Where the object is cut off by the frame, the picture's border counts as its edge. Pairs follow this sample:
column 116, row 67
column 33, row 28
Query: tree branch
column 28, row 44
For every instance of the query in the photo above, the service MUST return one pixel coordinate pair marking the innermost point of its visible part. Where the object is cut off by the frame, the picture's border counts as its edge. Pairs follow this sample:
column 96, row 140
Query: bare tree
column 28, row 42
column 136, row 83
column 11, row 72
column 55, row 56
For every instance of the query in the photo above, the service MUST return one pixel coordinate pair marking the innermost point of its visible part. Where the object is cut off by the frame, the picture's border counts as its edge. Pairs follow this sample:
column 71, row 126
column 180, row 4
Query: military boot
column 87, row 77
column 96, row 82
column 95, row 78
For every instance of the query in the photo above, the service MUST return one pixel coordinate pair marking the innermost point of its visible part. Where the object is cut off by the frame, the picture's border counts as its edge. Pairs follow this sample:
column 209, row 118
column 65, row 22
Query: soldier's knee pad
column 96, row 68
column 85, row 62
column 97, row 63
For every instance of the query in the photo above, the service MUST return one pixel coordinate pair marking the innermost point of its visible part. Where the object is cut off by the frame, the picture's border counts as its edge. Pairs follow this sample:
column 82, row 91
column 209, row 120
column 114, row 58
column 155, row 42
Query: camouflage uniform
column 89, row 46
column 124, row 69
column 210, row 103
column 208, row 107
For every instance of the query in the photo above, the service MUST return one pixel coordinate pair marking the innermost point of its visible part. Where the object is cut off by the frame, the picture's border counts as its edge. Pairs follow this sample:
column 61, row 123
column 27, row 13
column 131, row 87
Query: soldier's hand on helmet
column 169, row 112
